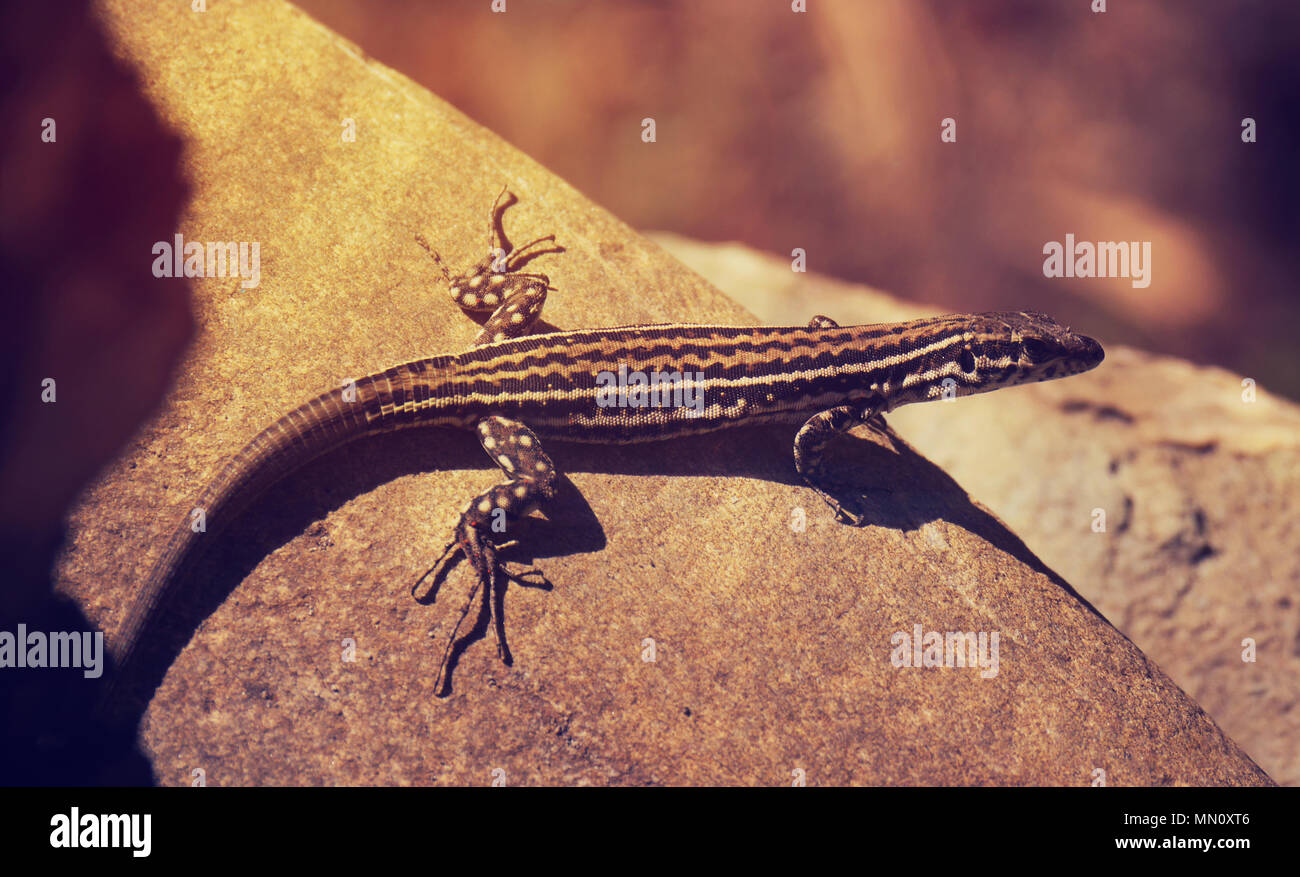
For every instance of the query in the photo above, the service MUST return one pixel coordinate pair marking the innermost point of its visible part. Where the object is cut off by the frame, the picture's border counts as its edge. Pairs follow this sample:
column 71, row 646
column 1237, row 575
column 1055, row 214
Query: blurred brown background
column 821, row 130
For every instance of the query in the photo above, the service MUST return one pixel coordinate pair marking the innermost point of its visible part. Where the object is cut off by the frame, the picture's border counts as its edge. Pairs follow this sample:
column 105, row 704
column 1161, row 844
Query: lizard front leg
column 819, row 430
column 811, row 441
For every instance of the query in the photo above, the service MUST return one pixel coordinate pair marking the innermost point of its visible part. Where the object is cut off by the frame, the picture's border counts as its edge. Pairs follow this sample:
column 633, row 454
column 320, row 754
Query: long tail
column 307, row 432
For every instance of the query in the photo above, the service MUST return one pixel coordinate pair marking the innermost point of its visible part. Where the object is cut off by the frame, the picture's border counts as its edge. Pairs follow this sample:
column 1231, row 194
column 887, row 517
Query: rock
column 709, row 621
column 1197, row 486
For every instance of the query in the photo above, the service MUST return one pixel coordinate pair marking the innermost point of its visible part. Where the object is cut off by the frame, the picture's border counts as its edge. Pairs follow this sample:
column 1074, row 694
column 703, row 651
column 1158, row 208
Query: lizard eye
column 966, row 361
column 1036, row 350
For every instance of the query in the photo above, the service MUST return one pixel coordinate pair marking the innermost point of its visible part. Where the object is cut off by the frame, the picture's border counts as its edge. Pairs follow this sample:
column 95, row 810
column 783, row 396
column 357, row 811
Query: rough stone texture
column 1198, row 486
column 771, row 638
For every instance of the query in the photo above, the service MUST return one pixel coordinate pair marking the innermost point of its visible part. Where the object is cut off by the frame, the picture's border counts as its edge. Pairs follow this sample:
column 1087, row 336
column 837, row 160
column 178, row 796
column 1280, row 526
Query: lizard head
column 968, row 354
column 1004, row 349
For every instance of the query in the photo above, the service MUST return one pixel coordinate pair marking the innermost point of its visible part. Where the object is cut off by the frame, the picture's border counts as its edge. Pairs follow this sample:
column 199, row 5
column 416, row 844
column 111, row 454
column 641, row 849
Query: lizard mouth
column 1089, row 356
column 1080, row 354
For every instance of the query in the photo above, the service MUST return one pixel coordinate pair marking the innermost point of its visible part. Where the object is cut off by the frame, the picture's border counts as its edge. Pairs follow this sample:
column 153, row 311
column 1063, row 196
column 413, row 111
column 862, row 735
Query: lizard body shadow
column 896, row 488
column 209, row 574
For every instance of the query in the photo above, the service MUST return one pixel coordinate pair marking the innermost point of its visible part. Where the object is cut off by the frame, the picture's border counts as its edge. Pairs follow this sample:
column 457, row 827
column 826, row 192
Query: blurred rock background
column 821, row 131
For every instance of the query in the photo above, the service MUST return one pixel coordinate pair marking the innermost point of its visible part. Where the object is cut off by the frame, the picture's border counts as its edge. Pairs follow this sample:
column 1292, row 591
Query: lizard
column 515, row 390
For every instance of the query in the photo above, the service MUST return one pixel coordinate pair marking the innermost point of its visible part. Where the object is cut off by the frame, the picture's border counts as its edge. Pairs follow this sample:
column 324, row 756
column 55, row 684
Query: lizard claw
column 847, row 510
column 483, row 556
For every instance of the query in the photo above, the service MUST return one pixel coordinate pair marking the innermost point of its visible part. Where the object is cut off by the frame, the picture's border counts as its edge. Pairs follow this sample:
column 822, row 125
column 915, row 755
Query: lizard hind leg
column 530, row 482
column 518, row 306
